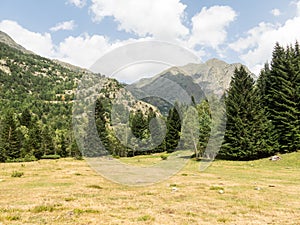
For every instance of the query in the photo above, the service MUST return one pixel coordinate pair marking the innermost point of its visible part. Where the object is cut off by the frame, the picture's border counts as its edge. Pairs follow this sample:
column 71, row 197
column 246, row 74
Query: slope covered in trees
column 37, row 96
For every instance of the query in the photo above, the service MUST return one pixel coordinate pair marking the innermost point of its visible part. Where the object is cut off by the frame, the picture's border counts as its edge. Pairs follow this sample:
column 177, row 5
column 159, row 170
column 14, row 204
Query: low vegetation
column 228, row 192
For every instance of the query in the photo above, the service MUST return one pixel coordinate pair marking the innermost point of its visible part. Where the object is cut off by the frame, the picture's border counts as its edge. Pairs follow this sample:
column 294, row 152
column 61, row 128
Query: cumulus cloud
column 256, row 48
column 83, row 50
column 78, row 3
column 275, row 12
column 160, row 19
column 39, row 43
column 66, row 25
column 209, row 26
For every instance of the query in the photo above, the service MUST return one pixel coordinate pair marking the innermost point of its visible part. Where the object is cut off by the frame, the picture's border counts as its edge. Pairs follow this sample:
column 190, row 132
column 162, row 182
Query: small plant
column 164, row 157
column 13, row 217
column 94, row 186
column 216, row 188
column 43, row 208
column 80, row 211
column 17, row 174
column 145, row 218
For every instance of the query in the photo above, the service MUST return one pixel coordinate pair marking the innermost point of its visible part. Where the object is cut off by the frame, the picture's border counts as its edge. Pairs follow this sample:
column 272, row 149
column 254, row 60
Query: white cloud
column 256, row 48
column 209, row 26
column 78, row 3
column 161, row 19
column 66, row 25
column 36, row 42
column 83, row 50
column 275, row 12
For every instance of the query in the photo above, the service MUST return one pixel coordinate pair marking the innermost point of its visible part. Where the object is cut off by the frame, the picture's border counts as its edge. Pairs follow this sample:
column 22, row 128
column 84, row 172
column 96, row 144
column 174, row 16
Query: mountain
column 6, row 39
column 180, row 83
column 37, row 96
column 212, row 76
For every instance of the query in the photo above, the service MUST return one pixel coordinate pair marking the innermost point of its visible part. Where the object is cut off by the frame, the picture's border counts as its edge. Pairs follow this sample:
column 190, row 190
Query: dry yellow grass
column 67, row 191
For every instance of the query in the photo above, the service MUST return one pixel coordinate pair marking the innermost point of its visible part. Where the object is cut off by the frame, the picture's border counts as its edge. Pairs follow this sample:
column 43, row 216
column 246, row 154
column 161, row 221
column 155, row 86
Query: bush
column 17, row 174
column 50, row 157
column 164, row 157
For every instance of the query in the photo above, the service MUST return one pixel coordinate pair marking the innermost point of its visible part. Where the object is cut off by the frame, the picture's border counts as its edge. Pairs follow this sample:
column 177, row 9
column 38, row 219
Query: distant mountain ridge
column 212, row 76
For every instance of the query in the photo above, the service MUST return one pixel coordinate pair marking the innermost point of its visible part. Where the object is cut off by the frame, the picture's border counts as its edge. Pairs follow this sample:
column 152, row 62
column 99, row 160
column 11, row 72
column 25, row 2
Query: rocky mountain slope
column 212, row 76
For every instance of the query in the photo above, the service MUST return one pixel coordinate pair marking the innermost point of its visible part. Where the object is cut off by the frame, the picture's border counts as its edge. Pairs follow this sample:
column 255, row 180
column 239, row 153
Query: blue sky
column 81, row 31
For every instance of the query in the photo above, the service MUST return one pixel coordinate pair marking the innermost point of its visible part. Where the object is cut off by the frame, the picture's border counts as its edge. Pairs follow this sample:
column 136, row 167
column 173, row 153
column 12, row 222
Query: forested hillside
column 37, row 99
column 36, row 106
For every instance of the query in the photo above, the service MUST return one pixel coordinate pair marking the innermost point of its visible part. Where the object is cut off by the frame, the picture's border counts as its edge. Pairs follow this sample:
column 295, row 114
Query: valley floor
column 67, row 191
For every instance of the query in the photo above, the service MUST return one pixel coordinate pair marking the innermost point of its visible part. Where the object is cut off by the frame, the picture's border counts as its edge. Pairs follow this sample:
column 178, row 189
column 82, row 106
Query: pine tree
column 204, row 125
column 281, row 97
column 139, row 125
column 173, row 129
column 247, row 125
column 11, row 145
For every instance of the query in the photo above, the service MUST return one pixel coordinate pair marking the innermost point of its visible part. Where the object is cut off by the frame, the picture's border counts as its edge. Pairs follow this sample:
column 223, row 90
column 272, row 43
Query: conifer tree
column 173, row 129
column 281, row 96
column 247, row 125
column 11, row 145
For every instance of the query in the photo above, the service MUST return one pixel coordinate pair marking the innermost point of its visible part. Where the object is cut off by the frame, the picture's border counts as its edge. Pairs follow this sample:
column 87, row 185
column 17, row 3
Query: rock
column 257, row 188
column 275, row 158
column 221, row 191
column 271, row 185
column 174, row 189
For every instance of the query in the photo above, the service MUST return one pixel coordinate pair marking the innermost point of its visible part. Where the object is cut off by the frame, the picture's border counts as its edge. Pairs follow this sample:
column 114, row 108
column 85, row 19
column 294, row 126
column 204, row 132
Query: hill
column 37, row 98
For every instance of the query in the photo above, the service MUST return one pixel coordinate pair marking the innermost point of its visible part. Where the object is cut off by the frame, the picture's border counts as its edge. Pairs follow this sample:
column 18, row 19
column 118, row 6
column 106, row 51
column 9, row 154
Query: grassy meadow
column 68, row 191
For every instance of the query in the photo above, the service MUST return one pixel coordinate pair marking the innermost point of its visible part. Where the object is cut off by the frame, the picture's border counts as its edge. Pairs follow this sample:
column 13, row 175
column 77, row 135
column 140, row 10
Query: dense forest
column 37, row 94
column 36, row 106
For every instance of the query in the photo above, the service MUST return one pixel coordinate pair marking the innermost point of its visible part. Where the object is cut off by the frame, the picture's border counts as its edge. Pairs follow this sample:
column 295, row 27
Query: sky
column 82, row 31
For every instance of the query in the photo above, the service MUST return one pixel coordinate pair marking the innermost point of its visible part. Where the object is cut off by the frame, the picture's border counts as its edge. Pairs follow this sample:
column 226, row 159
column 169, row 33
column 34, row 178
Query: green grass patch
column 17, row 174
column 145, row 218
column 50, row 157
column 43, row 208
column 216, row 188
column 94, row 186
column 81, row 211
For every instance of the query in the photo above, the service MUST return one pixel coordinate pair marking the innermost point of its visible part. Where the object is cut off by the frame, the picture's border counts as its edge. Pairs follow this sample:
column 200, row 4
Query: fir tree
column 281, row 97
column 173, row 129
column 247, row 125
column 10, row 143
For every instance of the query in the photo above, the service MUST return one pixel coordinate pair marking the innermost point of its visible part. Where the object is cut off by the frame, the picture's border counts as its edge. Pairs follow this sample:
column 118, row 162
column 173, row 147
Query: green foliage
column 164, row 156
column 35, row 101
column 173, row 129
column 247, row 128
column 280, row 93
column 50, row 157
column 17, row 174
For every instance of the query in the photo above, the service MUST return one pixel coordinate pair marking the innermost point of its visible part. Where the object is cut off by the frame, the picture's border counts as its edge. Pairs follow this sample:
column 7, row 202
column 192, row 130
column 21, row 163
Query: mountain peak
column 6, row 39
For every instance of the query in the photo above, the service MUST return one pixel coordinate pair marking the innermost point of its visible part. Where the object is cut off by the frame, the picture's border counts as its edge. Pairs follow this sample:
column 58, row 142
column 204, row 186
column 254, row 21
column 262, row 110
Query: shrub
column 50, row 157
column 94, row 186
column 164, row 157
column 17, row 174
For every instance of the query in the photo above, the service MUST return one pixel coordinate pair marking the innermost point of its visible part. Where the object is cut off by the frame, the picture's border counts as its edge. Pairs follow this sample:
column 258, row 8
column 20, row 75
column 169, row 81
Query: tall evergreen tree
column 173, row 129
column 247, row 125
column 281, row 97
column 11, row 145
